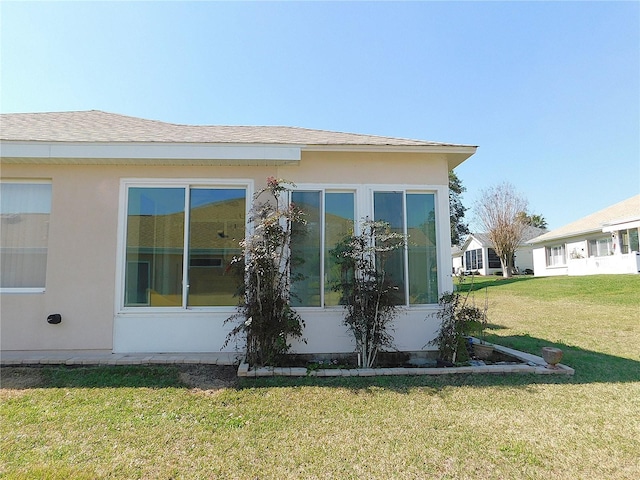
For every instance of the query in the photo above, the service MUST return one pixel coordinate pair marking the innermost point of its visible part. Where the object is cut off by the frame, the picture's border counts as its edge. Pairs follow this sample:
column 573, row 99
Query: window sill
column 21, row 290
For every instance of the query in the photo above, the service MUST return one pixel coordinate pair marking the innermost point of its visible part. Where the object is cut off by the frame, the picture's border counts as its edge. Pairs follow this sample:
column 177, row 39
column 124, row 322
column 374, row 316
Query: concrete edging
column 531, row 364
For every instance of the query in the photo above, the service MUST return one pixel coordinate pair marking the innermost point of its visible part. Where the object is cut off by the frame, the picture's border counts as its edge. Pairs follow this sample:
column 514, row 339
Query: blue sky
column 549, row 91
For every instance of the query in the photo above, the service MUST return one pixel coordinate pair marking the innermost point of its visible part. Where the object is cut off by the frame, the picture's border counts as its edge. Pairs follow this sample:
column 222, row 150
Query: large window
column 556, row 256
column 24, row 215
column 180, row 241
column 331, row 215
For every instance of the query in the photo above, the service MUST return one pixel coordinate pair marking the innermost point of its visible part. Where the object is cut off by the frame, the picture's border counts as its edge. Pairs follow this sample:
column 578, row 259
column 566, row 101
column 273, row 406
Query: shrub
column 367, row 291
column 267, row 320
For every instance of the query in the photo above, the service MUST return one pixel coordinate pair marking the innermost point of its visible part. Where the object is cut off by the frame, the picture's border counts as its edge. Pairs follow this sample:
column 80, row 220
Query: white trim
column 21, row 290
column 129, row 153
column 622, row 226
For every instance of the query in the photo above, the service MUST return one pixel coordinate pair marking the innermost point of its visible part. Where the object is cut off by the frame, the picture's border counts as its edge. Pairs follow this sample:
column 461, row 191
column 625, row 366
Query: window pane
column 423, row 261
column 305, row 252
column 634, row 245
column 339, row 218
column 494, row 260
column 217, row 225
column 24, row 210
column 155, row 246
column 387, row 206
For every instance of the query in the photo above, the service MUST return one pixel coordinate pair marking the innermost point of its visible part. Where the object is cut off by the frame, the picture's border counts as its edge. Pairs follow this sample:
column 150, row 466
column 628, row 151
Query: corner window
column 180, row 241
column 331, row 216
column 24, row 214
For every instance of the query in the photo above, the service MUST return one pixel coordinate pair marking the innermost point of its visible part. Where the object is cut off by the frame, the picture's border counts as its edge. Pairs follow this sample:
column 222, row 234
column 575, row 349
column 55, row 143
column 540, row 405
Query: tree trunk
column 506, row 268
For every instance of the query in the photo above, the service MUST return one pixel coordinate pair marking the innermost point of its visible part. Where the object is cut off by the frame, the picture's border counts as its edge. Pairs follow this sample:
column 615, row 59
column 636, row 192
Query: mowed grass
column 143, row 422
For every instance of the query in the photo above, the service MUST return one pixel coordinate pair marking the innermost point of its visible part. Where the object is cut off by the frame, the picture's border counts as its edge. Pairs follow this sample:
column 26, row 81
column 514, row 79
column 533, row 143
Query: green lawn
column 143, row 422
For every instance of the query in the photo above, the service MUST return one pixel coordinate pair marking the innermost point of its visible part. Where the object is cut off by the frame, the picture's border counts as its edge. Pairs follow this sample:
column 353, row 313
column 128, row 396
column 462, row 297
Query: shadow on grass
column 478, row 283
column 590, row 367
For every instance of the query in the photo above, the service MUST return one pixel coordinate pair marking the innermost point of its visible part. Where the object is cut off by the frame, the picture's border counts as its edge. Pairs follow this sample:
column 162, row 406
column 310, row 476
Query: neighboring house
column 478, row 256
column 603, row 242
column 126, row 227
column 456, row 259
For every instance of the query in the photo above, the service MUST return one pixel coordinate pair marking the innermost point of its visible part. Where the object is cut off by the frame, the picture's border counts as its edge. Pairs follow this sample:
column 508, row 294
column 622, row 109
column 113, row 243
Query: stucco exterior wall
column 82, row 263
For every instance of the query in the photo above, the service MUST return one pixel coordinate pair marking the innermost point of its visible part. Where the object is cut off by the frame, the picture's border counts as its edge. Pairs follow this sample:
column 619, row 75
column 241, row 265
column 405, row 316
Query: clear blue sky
column 549, row 91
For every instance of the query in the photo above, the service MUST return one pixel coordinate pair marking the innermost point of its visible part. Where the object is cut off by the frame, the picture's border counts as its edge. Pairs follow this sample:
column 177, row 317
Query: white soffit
column 38, row 152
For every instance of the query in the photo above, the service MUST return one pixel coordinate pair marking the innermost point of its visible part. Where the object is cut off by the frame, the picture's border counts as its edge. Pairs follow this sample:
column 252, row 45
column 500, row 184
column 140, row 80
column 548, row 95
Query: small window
column 556, row 256
column 601, row 247
column 24, row 214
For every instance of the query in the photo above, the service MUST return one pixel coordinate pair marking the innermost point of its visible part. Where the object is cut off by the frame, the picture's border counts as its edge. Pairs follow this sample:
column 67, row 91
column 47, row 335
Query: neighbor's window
column 24, row 214
column 556, row 256
column 629, row 240
column 601, row 247
column 330, row 217
column 493, row 260
column 473, row 259
column 180, row 242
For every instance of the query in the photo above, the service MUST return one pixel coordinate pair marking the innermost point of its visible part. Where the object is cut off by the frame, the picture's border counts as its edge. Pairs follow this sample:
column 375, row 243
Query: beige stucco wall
column 83, row 237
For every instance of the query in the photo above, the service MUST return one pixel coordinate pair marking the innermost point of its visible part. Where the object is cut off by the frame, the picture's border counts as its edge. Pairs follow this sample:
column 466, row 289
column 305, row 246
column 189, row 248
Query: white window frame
column 549, row 256
column 31, row 181
column 187, row 183
column 364, row 201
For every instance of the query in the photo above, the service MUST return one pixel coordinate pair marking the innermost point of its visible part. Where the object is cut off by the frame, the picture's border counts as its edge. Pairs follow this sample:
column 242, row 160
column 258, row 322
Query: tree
column 533, row 220
column 456, row 210
column 498, row 211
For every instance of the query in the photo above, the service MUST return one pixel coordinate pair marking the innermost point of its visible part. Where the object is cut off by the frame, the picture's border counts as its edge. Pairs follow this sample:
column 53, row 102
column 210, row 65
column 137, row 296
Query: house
column 116, row 232
column 477, row 254
column 603, row 242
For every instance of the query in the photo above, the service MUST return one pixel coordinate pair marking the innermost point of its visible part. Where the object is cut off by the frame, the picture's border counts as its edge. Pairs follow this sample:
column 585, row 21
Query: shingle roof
column 98, row 126
column 529, row 233
column 626, row 210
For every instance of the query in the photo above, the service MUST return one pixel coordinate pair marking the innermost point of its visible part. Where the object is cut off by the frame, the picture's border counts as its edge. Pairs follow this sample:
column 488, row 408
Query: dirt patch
column 199, row 377
column 20, row 378
column 208, row 377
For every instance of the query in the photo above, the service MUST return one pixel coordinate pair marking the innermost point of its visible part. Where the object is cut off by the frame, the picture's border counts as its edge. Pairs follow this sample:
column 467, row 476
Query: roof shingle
column 99, row 126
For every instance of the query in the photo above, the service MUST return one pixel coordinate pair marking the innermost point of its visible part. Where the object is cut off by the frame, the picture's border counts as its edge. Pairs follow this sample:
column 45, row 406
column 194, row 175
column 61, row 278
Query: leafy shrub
column 267, row 320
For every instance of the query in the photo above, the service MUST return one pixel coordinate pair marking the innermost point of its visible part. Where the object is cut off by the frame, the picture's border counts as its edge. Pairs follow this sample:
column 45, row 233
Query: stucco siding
column 83, row 260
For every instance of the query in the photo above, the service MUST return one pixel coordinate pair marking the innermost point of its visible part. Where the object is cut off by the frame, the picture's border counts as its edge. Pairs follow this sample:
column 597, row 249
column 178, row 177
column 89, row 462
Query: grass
column 144, row 422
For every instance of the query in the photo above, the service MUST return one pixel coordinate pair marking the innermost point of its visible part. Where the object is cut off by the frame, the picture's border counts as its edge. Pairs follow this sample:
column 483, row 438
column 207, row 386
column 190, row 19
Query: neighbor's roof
column 624, row 211
column 485, row 241
column 98, row 126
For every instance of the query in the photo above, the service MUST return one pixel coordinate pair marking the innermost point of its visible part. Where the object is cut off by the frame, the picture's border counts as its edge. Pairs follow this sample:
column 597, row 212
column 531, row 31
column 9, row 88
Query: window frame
column 549, row 256
column 188, row 184
column 364, row 209
column 32, row 181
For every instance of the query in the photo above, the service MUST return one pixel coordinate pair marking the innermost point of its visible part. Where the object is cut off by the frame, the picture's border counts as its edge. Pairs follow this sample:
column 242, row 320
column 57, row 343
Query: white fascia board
column 614, row 227
column 150, row 151
column 460, row 149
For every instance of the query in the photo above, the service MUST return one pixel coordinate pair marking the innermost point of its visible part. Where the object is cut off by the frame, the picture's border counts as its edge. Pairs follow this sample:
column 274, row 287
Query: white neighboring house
column 603, row 242
column 477, row 254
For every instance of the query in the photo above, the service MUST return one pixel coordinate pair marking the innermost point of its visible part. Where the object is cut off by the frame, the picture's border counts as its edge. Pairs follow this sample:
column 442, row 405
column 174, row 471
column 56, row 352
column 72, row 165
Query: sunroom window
column 24, row 229
column 180, row 241
column 331, row 216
